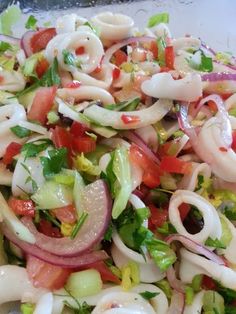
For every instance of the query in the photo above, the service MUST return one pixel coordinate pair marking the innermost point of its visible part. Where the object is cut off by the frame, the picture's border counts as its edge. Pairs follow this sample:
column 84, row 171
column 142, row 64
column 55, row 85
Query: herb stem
column 79, row 224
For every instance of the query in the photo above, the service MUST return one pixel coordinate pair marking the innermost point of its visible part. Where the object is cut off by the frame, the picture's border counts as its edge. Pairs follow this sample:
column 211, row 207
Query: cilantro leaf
column 129, row 105
column 55, row 162
column 200, row 62
column 147, row 295
column 51, row 77
column 31, row 23
column 68, row 57
column 4, row 46
column 230, row 310
column 32, row 149
column 108, row 234
column 157, row 19
column 20, row 132
column 93, row 28
column 78, row 225
column 167, row 228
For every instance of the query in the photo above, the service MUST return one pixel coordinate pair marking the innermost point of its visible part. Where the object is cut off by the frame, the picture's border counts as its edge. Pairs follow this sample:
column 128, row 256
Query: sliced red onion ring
column 67, row 262
column 196, row 248
column 10, row 40
column 136, row 139
column 25, row 43
column 215, row 77
column 175, row 283
column 223, row 116
column 110, row 51
column 177, row 303
column 97, row 203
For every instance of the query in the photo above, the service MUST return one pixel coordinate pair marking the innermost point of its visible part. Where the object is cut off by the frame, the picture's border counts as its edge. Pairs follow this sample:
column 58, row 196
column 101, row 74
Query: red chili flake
column 73, row 84
column 116, row 73
column 1, row 79
column 80, row 51
column 223, row 149
column 127, row 119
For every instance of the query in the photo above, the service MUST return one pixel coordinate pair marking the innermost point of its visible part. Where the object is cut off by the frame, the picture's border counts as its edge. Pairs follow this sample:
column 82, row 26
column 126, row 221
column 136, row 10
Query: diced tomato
column 80, row 51
column 152, row 171
column 120, row 57
column 212, row 105
column 41, row 38
column 172, row 164
column 46, row 275
column 184, row 209
column 41, row 67
column 208, row 283
column 128, row 119
column 47, row 228
column 73, row 84
column 62, row 138
column 66, row 214
column 1, row 79
column 154, row 49
column 234, row 140
column 223, row 149
column 12, row 150
column 78, row 129
column 158, row 216
column 164, row 69
column 83, row 144
column 22, row 207
column 98, row 69
column 169, row 57
column 141, row 191
column 116, row 73
column 105, row 272
column 42, row 104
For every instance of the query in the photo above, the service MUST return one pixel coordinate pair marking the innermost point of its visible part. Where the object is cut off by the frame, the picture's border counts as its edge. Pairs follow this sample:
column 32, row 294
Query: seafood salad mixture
column 117, row 170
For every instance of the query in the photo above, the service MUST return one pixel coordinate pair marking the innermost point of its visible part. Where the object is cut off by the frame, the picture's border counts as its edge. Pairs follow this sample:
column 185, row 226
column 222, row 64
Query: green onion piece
column 31, row 23
column 189, row 295
column 4, row 46
column 84, row 283
column 157, row 19
column 20, row 132
column 165, row 287
column 79, row 224
column 197, row 282
column 27, row 308
column 147, row 295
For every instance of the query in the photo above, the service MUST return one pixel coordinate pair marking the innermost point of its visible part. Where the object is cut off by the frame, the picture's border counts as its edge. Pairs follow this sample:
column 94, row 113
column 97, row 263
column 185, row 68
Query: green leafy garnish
column 215, row 243
column 79, row 224
column 157, row 19
column 20, row 132
column 229, row 295
column 32, row 149
column 93, row 28
column 167, row 228
column 8, row 18
column 27, row 308
column 165, row 287
column 205, row 64
column 70, row 59
column 29, row 178
column 7, row 63
column 230, row 309
column 129, row 105
column 147, row 295
column 4, row 46
column 213, row 302
column 108, row 234
column 51, row 218
column 197, row 282
column 83, row 308
column 55, row 162
column 161, row 45
column 189, row 295
column 31, row 23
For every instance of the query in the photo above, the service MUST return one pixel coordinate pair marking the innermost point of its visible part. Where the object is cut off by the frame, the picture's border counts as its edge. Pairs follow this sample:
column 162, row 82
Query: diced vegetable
column 213, row 302
column 78, row 193
column 8, row 18
column 22, row 207
column 158, row 18
column 12, row 150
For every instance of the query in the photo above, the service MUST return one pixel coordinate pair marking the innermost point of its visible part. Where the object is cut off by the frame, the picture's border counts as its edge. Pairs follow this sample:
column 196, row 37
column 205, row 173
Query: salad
column 117, row 170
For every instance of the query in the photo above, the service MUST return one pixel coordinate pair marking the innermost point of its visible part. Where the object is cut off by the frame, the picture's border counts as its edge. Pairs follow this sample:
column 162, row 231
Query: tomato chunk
column 12, row 150
column 120, row 57
column 184, row 209
column 208, row 283
column 234, row 140
column 66, row 214
column 47, row 228
column 42, row 104
column 78, row 129
column 158, row 216
column 83, row 144
column 128, row 119
column 41, row 67
column 41, row 38
column 62, row 138
column 116, row 73
column 105, row 272
column 22, row 207
column 46, row 275
column 172, row 164
column 169, row 57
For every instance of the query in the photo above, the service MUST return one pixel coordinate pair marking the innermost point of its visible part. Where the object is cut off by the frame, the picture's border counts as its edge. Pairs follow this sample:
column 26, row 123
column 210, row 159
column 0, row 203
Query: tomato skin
column 22, row 207
column 12, row 150
column 46, row 228
column 116, row 73
column 80, row 51
column 41, row 67
column 105, row 272
column 83, row 144
column 66, row 214
column 62, row 138
column 46, row 275
column 73, row 84
column 42, row 104
column 41, row 38
column 234, row 140
column 120, row 57
column 78, row 129
column 158, row 216
column 169, row 57
column 172, row 164
column 128, row 119
column 151, row 179
column 208, row 283
column 184, row 210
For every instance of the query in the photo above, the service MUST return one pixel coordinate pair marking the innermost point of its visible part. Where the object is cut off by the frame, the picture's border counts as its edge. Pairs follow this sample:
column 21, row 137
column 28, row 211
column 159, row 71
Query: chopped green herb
column 157, row 19
column 230, row 309
column 167, row 228
column 165, row 287
column 108, row 234
column 31, row 23
column 189, row 295
column 197, row 282
column 32, row 149
column 68, row 57
column 161, row 45
column 29, row 178
column 129, row 105
column 55, row 162
column 143, row 213
column 4, row 46
column 215, row 243
column 229, row 295
column 205, row 64
column 20, row 132
column 79, row 224
column 27, row 308
column 147, row 295
column 83, row 308
column 51, row 218
column 93, row 28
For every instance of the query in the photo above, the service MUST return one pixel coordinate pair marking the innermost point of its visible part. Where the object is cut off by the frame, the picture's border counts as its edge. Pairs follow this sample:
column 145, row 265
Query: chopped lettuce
column 83, row 164
column 27, row 308
column 121, row 169
column 165, row 287
column 7, row 63
column 189, row 295
column 213, row 303
column 200, row 62
column 130, row 275
column 53, row 195
column 31, row 23
column 78, row 193
column 157, row 19
column 53, row 164
column 8, row 18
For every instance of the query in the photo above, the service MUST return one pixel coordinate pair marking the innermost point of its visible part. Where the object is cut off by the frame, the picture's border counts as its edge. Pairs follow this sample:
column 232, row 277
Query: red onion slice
column 196, row 248
column 67, row 262
column 25, row 43
column 110, row 51
column 10, row 40
column 136, row 139
column 216, row 77
column 177, row 303
column 97, row 203
column 175, row 283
